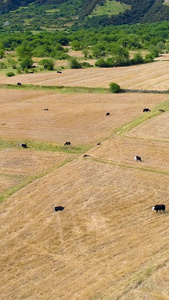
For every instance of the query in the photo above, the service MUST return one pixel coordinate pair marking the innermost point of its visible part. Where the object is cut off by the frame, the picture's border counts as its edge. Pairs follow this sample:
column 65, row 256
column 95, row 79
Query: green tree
column 137, row 59
column 76, row 45
column 85, row 52
column 48, row 64
column 148, row 58
column 114, row 87
column 2, row 53
column 74, row 64
column 24, row 51
column 26, row 62
column 101, row 63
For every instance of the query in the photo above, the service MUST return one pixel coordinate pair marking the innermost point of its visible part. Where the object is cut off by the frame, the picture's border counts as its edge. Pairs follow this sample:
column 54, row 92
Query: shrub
column 2, row 65
column 137, row 59
column 18, row 70
column 114, row 87
column 2, row 53
column 148, row 58
column 26, row 62
column 85, row 64
column 48, row 64
column 10, row 74
column 101, row 63
column 74, row 64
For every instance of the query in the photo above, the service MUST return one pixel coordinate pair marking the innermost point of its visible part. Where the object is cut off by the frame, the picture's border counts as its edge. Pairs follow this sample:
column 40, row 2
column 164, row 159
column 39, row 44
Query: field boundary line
column 78, row 89
column 122, row 130
column 44, row 146
column 26, row 181
column 130, row 166
column 58, row 88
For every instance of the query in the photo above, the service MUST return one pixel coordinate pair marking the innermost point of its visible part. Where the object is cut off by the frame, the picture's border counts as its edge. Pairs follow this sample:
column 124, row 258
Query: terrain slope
column 107, row 243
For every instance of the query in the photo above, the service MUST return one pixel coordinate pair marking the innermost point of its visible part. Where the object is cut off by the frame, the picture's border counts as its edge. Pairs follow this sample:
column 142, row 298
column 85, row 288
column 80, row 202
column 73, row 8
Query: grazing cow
column 24, row 146
column 67, row 144
column 107, row 114
column 59, row 72
column 137, row 158
column 86, row 155
column 19, row 83
column 98, row 144
column 162, row 110
column 158, row 207
column 146, row 109
column 57, row 208
column 45, row 109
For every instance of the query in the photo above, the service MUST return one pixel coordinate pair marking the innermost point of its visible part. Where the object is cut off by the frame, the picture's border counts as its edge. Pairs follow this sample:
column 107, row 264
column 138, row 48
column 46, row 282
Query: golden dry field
column 107, row 243
column 156, row 128
column 79, row 118
column 153, row 76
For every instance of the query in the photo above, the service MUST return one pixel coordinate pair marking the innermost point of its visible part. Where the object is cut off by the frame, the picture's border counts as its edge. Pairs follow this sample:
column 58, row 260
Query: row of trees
column 49, row 43
column 110, row 46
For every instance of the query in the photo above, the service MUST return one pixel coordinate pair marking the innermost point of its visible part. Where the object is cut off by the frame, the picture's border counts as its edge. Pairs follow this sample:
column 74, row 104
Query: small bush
column 137, row 59
column 18, row 70
column 2, row 65
column 10, row 74
column 114, row 87
column 85, row 64
column 101, row 63
column 48, row 64
column 148, row 58
column 74, row 64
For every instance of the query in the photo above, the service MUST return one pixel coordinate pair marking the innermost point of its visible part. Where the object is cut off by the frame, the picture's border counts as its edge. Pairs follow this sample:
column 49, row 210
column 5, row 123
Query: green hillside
column 50, row 14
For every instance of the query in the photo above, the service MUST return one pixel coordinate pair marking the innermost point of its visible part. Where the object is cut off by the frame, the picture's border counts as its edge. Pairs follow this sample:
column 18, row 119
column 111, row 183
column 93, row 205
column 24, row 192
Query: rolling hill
column 86, row 13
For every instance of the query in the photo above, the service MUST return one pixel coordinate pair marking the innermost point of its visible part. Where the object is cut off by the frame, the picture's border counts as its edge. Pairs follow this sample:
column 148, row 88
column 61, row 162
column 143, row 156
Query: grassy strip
column 41, row 146
column 77, row 89
column 58, row 89
column 29, row 180
column 143, row 117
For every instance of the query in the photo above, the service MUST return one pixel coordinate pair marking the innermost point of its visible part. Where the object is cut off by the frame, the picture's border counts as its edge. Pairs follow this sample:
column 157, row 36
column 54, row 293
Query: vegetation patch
column 109, row 8
column 39, row 146
column 59, row 89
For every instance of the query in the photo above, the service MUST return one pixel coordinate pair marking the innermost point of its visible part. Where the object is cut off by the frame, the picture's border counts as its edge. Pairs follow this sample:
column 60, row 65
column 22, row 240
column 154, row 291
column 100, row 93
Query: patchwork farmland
column 107, row 243
column 153, row 76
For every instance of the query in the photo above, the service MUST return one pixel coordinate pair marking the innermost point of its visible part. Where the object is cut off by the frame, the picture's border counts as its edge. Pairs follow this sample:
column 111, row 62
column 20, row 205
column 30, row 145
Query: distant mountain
column 89, row 12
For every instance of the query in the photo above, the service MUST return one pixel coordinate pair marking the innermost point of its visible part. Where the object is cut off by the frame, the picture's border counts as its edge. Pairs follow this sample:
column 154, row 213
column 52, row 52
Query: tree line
column 110, row 46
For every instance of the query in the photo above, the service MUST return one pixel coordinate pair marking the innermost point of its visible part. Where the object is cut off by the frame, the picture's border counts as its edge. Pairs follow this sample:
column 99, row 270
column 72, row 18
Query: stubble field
column 78, row 118
column 152, row 76
column 107, row 243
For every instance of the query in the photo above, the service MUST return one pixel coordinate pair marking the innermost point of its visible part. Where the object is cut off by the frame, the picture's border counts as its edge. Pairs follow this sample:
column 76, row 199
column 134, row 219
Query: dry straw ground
column 79, row 118
column 107, row 243
column 152, row 76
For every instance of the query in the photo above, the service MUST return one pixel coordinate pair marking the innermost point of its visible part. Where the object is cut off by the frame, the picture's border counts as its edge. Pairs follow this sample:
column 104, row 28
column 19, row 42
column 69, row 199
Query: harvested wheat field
column 8, row 181
column 156, row 128
column 152, row 76
column 78, row 118
column 105, row 243
column 29, row 162
column 122, row 150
